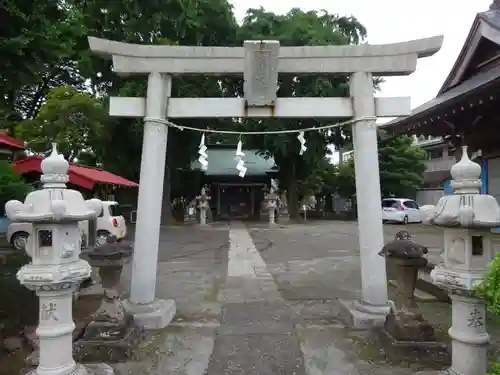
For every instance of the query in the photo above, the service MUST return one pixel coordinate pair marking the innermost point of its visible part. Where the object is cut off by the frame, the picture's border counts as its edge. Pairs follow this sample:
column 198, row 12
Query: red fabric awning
column 80, row 175
column 7, row 140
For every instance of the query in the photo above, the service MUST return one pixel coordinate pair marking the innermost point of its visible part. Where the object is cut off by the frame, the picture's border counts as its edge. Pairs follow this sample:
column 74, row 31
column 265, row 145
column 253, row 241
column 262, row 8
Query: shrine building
column 232, row 196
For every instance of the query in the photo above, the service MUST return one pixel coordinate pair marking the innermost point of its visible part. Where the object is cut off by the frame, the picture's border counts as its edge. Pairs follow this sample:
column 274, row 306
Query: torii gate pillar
column 260, row 62
column 148, row 311
column 373, row 306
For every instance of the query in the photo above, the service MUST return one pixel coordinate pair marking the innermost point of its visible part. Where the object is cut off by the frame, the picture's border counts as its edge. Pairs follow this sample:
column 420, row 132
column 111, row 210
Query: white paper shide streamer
column 302, row 141
column 240, row 166
column 202, row 151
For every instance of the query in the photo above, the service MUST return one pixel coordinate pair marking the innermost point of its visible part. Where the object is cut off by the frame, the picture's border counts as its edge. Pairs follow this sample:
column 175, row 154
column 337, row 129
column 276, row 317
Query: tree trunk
column 166, row 212
column 293, row 195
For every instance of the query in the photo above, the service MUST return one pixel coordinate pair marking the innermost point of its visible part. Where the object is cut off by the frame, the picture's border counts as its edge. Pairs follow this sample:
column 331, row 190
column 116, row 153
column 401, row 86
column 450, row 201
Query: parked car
column 400, row 210
column 109, row 222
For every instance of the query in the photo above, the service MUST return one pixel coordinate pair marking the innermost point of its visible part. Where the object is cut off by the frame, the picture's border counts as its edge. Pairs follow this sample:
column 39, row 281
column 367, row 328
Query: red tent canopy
column 9, row 141
column 80, row 175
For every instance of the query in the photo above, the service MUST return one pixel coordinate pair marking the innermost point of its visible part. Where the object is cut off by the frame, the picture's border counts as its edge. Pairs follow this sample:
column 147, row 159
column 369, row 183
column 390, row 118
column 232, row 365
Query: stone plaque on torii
column 260, row 62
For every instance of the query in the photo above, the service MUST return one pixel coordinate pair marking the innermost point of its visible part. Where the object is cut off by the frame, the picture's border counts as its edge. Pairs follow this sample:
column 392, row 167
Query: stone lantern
column 56, row 269
column 112, row 334
column 283, row 203
column 467, row 218
column 405, row 331
column 203, row 205
column 271, row 203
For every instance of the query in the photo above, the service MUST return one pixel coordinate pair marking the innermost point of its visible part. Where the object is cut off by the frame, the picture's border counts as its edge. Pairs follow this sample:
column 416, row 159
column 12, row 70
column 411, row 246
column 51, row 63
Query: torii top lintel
column 381, row 60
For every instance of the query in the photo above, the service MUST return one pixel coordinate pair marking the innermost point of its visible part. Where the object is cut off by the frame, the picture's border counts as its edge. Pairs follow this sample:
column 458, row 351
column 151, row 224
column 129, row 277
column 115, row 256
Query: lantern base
column 107, row 341
column 407, row 335
column 93, row 369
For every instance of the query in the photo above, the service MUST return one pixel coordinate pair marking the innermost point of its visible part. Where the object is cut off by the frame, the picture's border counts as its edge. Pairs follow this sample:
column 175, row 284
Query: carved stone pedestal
column 408, row 334
column 284, row 216
column 112, row 335
column 406, row 326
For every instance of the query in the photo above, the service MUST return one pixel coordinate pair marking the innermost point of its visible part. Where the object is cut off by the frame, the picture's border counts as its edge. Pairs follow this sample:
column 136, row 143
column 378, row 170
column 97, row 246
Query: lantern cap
column 54, row 170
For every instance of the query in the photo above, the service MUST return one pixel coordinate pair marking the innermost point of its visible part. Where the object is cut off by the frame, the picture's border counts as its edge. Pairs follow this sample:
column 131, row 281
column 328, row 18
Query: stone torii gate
column 260, row 62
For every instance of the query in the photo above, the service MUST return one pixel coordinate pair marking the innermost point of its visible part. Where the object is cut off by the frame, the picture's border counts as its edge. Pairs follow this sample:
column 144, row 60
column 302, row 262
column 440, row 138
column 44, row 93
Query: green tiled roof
column 221, row 163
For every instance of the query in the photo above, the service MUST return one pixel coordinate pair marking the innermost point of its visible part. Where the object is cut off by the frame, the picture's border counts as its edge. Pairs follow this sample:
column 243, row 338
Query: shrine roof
column 466, row 80
column 80, row 175
column 449, row 98
column 12, row 142
column 221, row 162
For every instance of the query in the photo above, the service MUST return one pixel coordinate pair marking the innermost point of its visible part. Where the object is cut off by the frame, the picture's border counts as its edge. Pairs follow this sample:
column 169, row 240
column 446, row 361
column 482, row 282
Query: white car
column 109, row 222
column 400, row 210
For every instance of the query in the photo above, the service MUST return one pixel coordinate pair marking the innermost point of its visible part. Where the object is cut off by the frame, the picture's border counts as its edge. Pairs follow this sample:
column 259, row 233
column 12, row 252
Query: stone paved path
column 257, row 333
column 254, row 300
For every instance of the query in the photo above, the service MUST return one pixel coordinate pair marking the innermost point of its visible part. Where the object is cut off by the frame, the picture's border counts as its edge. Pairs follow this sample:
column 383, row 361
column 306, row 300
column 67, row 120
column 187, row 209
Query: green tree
column 174, row 22
column 12, row 186
column 298, row 28
column 72, row 119
column 321, row 180
column 401, row 167
column 346, row 180
column 37, row 52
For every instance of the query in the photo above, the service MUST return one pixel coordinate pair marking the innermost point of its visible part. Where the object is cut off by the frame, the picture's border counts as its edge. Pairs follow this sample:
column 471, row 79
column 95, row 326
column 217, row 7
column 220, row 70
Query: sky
column 392, row 21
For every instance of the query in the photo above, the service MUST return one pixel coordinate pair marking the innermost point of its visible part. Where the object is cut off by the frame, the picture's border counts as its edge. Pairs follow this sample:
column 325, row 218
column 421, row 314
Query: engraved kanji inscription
column 48, row 312
column 476, row 319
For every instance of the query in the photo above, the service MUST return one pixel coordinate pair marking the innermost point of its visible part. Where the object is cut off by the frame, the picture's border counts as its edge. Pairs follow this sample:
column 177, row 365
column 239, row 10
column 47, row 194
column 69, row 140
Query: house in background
column 231, row 195
column 440, row 158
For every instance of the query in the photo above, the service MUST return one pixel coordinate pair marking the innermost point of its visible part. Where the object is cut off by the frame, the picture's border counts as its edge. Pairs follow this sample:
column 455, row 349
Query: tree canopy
column 38, row 49
column 298, row 28
column 173, row 22
column 401, row 171
column 401, row 167
column 73, row 119
column 55, row 89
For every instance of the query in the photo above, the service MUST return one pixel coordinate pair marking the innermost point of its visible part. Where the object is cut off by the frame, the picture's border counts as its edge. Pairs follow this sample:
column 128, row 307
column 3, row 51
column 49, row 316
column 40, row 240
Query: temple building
column 465, row 110
column 232, row 196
